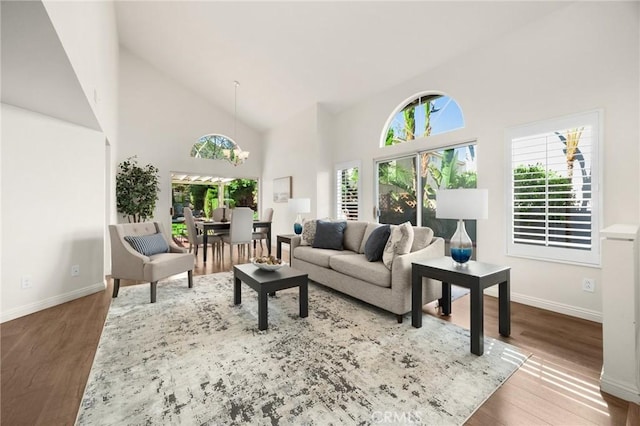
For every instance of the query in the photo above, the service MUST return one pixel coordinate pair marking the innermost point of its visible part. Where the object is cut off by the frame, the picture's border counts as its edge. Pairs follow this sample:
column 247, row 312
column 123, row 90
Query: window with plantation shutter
column 553, row 190
column 348, row 191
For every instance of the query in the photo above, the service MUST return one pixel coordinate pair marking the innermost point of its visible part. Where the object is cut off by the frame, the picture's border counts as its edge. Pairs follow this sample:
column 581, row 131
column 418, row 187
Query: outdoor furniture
column 127, row 263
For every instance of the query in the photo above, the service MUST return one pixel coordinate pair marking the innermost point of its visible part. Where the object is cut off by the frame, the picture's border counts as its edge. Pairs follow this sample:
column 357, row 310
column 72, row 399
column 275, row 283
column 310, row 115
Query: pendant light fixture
column 237, row 155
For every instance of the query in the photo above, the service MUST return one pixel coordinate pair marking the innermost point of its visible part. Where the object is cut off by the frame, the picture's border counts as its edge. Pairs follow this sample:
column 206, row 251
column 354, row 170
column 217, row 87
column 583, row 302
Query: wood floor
column 47, row 356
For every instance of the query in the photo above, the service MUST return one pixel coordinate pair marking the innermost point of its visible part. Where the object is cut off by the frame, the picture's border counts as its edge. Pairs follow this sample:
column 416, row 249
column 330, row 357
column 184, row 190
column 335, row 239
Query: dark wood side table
column 284, row 238
column 268, row 282
column 475, row 276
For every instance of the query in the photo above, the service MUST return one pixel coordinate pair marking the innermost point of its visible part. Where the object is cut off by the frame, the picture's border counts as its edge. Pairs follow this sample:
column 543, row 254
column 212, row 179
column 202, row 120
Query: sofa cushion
column 370, row 228
column 148, row 244
column 376, row 243
column 329, row 235
column 422, row 237
column 316, row 256
column 353, row 234
column 399, row 243
column 357, row 266
column 308, row 232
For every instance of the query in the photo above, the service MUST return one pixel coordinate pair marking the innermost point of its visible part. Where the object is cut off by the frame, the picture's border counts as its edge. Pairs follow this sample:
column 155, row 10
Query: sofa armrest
column 401, row 267
column 295, row 242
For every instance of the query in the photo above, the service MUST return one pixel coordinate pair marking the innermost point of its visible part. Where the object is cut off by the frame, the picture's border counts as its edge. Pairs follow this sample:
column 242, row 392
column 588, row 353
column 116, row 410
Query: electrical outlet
column 589, row 284
column 75, row 270
column 26, row 282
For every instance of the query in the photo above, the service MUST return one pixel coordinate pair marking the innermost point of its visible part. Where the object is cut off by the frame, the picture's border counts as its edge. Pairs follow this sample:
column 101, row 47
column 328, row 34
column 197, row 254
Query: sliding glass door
column 449, row 168
column 397, row 201
column 398, row 182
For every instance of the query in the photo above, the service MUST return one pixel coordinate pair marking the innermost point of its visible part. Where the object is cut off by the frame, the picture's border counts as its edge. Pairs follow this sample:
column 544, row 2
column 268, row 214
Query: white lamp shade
column 462, row 204
column 300, row 205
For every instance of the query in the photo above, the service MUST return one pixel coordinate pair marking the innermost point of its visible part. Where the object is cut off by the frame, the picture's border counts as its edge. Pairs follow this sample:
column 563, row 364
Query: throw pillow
column 399, row 243
column 148, row 244
column 376, row 243
column 329, row 235
column 370, row 228
column 308, row 232
column 422, row 237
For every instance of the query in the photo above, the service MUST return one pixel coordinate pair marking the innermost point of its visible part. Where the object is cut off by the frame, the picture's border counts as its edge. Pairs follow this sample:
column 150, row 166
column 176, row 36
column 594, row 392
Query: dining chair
column 220, row 213
column 261, row 233
column 240, row 231
column 196, row 239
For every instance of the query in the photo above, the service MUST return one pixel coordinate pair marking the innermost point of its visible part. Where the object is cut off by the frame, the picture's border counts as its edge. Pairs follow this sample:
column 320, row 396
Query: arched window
column 422, row 116
column 219, row 147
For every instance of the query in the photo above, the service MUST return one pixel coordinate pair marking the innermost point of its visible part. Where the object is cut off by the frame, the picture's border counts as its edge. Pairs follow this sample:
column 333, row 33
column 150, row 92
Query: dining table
column 205, row 226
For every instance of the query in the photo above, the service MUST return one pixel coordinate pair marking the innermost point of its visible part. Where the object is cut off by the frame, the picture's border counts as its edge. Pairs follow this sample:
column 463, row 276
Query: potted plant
column 136, row 190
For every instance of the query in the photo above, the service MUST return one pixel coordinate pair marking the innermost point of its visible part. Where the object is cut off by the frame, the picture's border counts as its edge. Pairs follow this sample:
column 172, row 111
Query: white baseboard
column 550, row 305
column 31, row 308
column 626, row 391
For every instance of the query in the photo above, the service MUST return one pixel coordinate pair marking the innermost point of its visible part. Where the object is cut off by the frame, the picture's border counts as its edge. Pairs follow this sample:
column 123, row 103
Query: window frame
column 411, row 99
column 567, row 255
column 337, row 196
column 415, row 156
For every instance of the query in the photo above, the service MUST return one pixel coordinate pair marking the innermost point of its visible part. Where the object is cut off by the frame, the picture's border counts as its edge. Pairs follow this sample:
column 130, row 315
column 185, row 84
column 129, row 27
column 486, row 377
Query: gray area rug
column 194, row 358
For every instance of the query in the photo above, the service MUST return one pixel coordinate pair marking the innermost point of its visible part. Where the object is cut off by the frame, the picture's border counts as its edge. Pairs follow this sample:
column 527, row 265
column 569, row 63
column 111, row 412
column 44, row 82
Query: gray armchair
column 127, row 263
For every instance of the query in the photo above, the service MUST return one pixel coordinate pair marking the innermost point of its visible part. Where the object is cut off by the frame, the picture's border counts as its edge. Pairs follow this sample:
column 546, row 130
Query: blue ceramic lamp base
column 461, row 245
column 297, row 226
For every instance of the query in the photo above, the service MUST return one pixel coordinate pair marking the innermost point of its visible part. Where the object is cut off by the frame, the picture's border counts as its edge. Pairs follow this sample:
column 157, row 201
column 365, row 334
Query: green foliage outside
column 204, row 198
column 178, row 229
column 136, row 190
column 407, row 131
column 530, row 186
column 210, row 201
column 439, row 170
column 243, row 193
column 197, row 194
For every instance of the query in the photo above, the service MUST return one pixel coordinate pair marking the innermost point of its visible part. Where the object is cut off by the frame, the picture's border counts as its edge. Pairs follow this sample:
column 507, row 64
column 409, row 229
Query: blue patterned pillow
column 148, row 244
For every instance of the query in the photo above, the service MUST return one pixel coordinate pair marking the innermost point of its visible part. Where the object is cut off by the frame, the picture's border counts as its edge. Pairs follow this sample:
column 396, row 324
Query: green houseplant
column 136, row 190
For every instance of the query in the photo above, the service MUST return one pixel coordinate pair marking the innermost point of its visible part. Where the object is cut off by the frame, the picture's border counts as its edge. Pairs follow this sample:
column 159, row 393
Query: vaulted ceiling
column 288, row 56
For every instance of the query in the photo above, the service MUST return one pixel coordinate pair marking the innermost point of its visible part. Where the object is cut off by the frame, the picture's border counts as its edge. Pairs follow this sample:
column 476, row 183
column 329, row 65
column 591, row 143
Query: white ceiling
column 288, row 56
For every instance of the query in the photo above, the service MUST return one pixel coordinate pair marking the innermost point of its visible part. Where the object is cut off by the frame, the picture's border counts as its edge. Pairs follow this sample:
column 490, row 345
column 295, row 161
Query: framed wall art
column 282, row 189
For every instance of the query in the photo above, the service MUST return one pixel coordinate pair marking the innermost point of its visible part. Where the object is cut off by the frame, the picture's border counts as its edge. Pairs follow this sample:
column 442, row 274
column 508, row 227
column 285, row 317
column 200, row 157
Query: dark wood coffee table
column 475, row 276
column 268, row 282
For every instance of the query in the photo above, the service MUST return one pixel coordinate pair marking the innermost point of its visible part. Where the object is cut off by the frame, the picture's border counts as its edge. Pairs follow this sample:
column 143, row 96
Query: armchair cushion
column 148, row 244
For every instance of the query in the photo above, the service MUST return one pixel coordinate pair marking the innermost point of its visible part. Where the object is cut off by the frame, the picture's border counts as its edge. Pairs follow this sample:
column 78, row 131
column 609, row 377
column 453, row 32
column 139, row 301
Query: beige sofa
column 350, row 272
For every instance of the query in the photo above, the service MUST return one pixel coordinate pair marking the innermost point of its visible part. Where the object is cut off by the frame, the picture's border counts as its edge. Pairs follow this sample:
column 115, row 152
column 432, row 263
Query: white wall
column 160, row 121
column 557, row 66
column 88, row 32
column 300, row 148
column 53, row 209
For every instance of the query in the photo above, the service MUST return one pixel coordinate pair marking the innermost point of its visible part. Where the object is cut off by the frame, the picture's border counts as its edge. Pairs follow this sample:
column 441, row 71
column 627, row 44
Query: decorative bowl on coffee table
column 268, row 266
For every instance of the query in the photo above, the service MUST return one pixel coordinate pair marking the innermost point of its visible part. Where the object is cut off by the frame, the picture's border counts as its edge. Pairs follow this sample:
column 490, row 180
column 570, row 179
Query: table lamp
column 299, row 206
column 462, row 204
